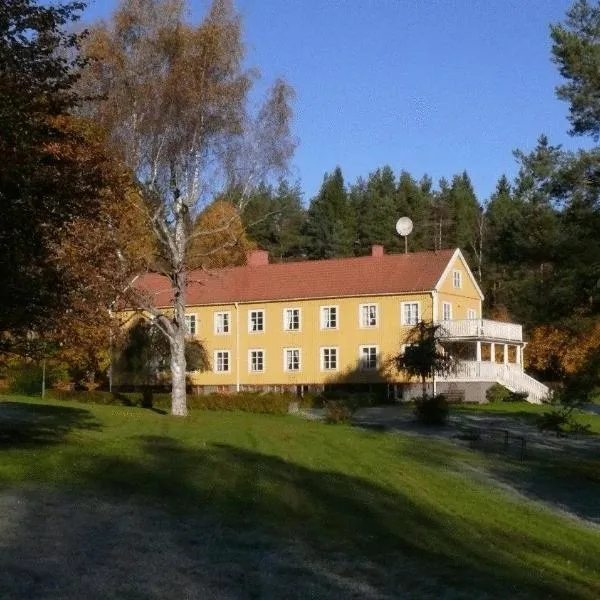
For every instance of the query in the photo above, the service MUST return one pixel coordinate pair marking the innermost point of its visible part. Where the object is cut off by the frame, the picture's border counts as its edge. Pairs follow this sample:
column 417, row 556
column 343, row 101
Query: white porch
column 489, row 351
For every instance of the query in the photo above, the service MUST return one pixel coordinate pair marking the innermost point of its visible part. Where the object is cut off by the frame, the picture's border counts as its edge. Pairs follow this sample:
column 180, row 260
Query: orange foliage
column 552, row 346
column 220, row 240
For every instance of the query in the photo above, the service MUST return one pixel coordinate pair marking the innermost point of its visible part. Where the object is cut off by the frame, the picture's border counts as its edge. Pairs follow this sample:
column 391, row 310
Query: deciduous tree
column 175, row 101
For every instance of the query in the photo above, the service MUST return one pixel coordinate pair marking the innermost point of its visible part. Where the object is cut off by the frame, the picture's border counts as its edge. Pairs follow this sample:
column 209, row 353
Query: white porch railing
column 481, row 329
column 510, row 376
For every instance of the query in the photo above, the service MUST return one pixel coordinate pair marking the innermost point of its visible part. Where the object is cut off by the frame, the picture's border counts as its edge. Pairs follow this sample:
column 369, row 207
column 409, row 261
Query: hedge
column 255, row 402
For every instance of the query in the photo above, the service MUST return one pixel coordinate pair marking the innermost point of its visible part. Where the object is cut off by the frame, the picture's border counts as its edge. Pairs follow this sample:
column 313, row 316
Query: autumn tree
column 221, row 239
column 175, row 99
column 41, row 190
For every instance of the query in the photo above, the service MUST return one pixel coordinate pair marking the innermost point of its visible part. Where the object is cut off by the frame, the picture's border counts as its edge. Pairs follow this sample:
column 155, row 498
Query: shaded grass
column 381, row 498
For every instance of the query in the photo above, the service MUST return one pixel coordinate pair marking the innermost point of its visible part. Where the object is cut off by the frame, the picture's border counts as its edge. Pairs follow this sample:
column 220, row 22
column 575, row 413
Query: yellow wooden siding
column 462, row 299
column 388, row 336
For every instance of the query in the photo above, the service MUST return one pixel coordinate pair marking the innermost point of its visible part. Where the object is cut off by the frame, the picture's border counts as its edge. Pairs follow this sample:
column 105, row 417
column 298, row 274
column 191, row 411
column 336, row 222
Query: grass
column 369, row 515
column 526, row 412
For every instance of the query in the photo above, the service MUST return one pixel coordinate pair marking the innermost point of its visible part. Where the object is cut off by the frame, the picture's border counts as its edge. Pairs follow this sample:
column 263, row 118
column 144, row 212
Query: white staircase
column 508, row 375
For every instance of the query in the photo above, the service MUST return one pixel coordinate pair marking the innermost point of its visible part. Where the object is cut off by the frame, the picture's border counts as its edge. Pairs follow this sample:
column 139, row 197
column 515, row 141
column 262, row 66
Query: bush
column 255, row 402
column 338, row 411
column 26, row 378
column 497, row 393
column 561, row 421
column 432, row 410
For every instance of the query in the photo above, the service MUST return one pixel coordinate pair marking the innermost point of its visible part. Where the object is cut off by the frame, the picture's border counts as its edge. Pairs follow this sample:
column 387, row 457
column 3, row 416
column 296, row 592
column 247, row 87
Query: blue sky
column 429, row 86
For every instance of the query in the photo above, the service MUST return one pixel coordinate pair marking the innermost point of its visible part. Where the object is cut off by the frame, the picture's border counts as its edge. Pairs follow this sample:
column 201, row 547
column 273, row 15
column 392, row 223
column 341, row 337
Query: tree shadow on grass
column 335, row 532
column 23, row 424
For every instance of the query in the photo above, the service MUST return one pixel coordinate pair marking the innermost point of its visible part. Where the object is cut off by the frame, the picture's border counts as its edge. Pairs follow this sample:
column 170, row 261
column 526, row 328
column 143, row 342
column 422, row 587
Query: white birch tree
column 175, row 100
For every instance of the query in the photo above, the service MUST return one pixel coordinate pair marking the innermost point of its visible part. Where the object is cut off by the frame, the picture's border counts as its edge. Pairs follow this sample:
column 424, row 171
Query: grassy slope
column 527, row 412
column 386, row 498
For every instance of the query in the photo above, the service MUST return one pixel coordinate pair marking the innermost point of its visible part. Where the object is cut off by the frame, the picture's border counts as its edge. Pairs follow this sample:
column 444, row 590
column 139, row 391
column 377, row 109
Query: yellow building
column 301, row 325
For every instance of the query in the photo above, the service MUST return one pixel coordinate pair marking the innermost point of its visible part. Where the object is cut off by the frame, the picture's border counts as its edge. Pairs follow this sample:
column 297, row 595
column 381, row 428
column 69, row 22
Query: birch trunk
column 178, row 370
column 179, row 282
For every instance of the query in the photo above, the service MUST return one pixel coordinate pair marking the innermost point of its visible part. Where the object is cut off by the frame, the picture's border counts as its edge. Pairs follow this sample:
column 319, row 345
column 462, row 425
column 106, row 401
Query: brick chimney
column 377, row 250
column 257, row 258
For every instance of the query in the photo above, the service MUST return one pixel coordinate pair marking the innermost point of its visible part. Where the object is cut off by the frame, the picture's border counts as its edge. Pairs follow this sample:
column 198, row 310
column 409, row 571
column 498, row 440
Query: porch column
column 492, row 352
column 505, row 354
column 519, row 355
column 478, row 352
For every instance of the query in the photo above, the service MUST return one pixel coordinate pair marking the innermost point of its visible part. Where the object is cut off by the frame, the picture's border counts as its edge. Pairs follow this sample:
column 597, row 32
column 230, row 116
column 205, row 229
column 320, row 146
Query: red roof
column 362, row 276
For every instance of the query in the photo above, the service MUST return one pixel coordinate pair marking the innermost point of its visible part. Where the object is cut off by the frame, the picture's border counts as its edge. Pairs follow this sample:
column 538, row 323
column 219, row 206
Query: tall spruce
column 330, row 227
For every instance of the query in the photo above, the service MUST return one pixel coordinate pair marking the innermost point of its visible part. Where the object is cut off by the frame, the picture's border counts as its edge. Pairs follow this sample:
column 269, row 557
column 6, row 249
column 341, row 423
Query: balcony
column 481, row 329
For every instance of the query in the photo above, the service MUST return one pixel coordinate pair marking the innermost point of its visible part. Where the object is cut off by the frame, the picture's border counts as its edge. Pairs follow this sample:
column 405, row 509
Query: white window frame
column 471, row 313
column 402, row 313
column 361, row 323
column 218, row 314
column 361, row 363
column 323, row 320
column 256, row 310
column 447, row 305
column 191, row 317
column 216, row 361
column 285, row 321
column 250, row 369
column 322, row 358
column 285, row 360
column 457, row 279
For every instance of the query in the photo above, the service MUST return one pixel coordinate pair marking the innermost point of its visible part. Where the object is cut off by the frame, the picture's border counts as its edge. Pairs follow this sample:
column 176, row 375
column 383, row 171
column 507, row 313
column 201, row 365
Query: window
column 256, row 361
column 447, row 311
column 291, row 319
column 457, row 279
column 190, row 324
column 222, row 320
column 329, row 317
column 329, row 359
column 368, row 315
column 368, row 358
column 291, row 359
column 471, row 313
column 221, row 361
column 256, row 321
column 410, row 313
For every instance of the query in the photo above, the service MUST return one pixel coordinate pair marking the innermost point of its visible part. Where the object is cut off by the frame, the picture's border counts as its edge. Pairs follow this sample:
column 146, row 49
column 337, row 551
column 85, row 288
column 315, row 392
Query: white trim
column 264, row 320
column 215, row 362
column 360, row 357
column 459, row 254
column 360, row 309
column 456, row 272
column 299, row 309
column 216, row 313
column 196, row 324
column 444, row 304
column 285, row 369
column 419, row 312
column 471, row 313
column 322, row 361
column 264, row 360
column 322, row 320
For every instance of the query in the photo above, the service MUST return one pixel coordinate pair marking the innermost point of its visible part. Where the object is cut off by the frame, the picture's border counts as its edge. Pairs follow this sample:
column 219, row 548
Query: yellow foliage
column 220, row 239
column 556, row 347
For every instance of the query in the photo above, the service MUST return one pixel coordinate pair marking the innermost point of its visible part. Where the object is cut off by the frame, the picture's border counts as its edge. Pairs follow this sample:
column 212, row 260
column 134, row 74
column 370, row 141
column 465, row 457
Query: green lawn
column 526, row 412
column 358, row 514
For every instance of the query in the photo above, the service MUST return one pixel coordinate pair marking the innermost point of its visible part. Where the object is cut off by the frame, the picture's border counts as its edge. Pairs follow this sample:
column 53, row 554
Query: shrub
column 256, row 402
column 26, row 378
column 561, row 421
column 338, row 411
column 497, row 393
column 432, row 410
column 517, row 397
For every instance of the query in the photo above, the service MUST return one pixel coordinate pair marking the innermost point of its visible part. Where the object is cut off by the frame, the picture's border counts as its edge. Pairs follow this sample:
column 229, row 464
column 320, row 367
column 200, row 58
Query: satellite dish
column 404, row 226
